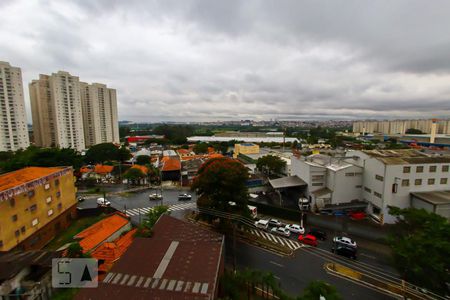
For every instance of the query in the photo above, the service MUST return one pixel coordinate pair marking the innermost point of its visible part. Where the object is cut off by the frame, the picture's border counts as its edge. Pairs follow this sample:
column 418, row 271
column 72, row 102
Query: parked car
column 326, row 212
column 81, row 198
column 308, row 239
column 184, row 197
column 319, row 234
column 339, row 213
column 349, row 252
column 274, row 222
column 103, row 202
column 357, row 215
column 281, row 231
column 345, row 241
column 295, row 228
column 155, row 196
column 262, row 224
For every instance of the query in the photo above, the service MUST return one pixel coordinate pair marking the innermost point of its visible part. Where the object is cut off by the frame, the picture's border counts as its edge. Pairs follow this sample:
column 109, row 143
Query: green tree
column 413, row 131
column 201, row 148
column 221, row 180
column 101, row 153
column 143, row 160
column 421, row 246
column 270, row 164
column 124, row 154
column 75, row 250
column 318, row 288
column 151, row 218
column 134, row 175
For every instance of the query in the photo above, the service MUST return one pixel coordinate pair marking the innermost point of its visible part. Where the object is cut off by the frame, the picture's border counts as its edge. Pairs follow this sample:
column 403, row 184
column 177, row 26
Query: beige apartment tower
column 99, row 105
column 13, row 122
column 56, row 111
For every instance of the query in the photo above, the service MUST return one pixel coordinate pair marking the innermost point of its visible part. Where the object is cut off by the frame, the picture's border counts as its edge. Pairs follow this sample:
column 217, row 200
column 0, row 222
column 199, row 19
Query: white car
column 274, row 222
column 281, row 231
column 262, row 224
column 184, row 197
column 155, row 196
column 344, row 241
column 103, row 202
column 294, row 228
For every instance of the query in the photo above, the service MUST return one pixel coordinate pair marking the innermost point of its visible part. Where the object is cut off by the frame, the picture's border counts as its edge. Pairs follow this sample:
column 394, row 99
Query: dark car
column 348, row 252
column 319, row 234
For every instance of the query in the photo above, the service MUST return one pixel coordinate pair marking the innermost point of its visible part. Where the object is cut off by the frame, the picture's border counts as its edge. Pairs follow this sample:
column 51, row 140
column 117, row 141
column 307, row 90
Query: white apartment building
column 391, row 176
column 99, row 105
column 330, row 180
column 400, row 126
column 13, row 122
column 56, row 111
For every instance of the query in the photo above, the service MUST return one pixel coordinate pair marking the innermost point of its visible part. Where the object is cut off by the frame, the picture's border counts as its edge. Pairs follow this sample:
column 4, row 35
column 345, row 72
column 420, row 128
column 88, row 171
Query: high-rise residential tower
column 56, row 111
column 13, row 122
column 99, row 105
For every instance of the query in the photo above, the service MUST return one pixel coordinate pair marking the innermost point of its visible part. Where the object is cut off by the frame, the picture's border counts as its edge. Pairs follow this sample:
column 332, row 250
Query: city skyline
column 200, row 61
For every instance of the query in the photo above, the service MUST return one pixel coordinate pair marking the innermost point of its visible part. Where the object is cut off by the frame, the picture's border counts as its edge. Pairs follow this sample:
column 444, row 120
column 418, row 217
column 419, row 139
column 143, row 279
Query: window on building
column 433, row 169
column 56, row 182
column 443, row 180
column 33, row 207
column 431, row 181
column 59, row 206
column 35, row 222
column 419, row 169
column 367, row 189
column 405, row 182
column 49, row 199
column 418, row 182
column 406, row 169
column 14, row 218
column 378, row 195
column 17, row 233
column 50, row 212
column 12, row 202
column 22, row 229
column 378, row 177
column 358, row 186
column 30, row 193
column 445, row 168
column 349, row 174
column 317, row 177
column 317, row 184
column 47, row 186
column 1, row 244
column 58, row 194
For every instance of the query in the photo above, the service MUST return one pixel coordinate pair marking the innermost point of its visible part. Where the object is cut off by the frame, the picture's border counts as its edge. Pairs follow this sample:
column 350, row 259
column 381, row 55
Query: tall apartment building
column 35, row 204
column 99, row 105
column 13, row 123
column 56, row 111
column 400, row 126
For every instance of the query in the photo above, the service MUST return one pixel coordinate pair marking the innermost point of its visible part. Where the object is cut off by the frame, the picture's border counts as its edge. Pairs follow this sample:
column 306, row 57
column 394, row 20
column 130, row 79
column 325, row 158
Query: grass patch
column 76, row 227
column 64, row 294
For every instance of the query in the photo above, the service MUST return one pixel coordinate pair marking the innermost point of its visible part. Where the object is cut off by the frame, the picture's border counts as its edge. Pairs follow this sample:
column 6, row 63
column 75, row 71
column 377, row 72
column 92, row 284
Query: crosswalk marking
column 144, row 210
column 294, row 245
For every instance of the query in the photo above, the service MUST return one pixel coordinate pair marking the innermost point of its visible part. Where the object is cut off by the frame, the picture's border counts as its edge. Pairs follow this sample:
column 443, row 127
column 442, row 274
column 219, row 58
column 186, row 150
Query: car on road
column 103, row 202
column 184, row 197
column 319, row 234
column 81, row 198
column 294, row 228
column 281, row 231
column 357, row 215
column 274, row 222
column 345, row 241
column 155, row 196
column 308, row 239
column 262, row 224
column 349, row 252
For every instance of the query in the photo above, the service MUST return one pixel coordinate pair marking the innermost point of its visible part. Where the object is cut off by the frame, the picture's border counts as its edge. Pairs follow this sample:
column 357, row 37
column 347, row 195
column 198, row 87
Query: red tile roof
column 171, row 164
column 15, row 178
column 103, row 169
column 110, row 252
column 96, row 234
column 144, row 169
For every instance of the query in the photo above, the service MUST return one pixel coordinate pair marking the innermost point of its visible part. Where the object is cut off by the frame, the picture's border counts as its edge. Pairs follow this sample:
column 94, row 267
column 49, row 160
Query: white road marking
column 144, row 210
column 276, row 264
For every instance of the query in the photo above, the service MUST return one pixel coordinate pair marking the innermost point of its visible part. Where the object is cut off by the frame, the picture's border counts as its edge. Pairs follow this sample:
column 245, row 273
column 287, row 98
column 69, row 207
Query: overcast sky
column 220, row 60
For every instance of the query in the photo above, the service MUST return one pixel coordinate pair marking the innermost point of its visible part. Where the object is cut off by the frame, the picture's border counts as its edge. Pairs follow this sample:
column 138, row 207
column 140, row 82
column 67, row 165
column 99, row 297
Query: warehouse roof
column 435, row 198
column 285, row 182
column 180, row 261
column 405, row 157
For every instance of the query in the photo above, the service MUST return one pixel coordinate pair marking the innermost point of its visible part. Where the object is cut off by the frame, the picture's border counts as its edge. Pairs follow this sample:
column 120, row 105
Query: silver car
column 281, row 231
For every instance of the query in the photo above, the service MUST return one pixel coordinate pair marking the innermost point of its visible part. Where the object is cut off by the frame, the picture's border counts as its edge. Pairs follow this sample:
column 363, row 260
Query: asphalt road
column 296, row 272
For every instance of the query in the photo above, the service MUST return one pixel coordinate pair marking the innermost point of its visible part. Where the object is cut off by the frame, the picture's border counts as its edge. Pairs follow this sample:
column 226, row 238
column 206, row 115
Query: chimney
column 433, row 131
